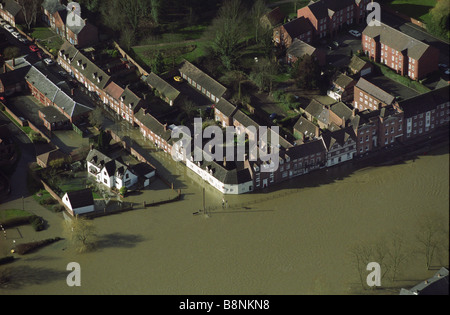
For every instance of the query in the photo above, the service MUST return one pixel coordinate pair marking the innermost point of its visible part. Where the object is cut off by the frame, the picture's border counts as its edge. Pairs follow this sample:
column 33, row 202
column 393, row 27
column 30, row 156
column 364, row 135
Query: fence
column 25, row 123
column 404, row 17
column 141, row 70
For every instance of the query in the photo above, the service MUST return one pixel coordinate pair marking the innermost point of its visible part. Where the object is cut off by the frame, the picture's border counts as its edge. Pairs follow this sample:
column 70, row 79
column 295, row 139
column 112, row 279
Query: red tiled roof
column 114, row 90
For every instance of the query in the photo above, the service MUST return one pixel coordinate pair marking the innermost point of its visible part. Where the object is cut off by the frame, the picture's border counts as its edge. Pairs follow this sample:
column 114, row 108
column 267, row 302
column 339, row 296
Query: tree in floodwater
column 398, row 253
column 431, row 235
column 82, row 234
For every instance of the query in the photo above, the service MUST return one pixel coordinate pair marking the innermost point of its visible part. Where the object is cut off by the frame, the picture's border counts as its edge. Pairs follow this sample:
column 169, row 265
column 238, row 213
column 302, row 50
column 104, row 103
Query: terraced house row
column 332, row 134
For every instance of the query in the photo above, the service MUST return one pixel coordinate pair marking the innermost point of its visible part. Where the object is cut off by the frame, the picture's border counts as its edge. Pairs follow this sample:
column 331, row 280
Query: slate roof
column 12, row 7
column 161, row 86
column 297, row 27
column 49, row 156
column 153, row 124
column 101, row 160
column 225, row 107
column 319, row 111
column 340, row 136
column 243, row 119
column 326, row 8
column 130, row 99
column 306, row 149
column 52, row 115
column 424, row 102
column 232, row 173
column 55, row 93
column 81, row 198
column 375, row 91
column 97, row 158
column 357, row 64
column 397, row 40
column 304, row 126
column 299, row 48
column 436, row 285
column 84, row 65
column 202, row 78
column 274, row 17
column 343, row 80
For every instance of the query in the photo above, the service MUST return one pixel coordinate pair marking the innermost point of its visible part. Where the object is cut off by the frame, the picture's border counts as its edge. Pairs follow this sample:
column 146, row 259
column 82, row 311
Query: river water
column 293, row 241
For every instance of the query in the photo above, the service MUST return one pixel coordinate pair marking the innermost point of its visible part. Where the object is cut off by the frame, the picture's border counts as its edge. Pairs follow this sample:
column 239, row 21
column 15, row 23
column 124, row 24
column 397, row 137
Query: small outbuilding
column 79, row 202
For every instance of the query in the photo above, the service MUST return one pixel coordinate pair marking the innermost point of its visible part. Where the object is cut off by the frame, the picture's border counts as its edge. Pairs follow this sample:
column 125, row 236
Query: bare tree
column 361, row 256
column 397, row 253
column 258, row 10
column 430, row 235
column 30, row 9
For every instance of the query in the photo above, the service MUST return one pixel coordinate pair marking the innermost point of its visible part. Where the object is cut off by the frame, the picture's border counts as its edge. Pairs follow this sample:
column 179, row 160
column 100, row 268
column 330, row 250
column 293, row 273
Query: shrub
column 37, row 223
column 57, row 208
column 26, row 248
column 6, row 260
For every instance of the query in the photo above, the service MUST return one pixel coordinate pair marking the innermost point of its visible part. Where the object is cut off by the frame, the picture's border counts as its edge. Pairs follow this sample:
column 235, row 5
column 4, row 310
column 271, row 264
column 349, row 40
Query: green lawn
column 190, row 51
column 48, row 38
column 9, row 214
column 289, row 8
column 418, row 9
column 42, row 33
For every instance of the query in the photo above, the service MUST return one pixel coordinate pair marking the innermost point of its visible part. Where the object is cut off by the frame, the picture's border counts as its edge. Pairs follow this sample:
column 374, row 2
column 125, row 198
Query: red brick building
column 400, row 52
column 11, row 11
column 69, row 24
column 369, row 96
column 328, row 17
column 299, row 28
column 425, row 113
column 299, row 48
column 224, row 111
column 153, row 130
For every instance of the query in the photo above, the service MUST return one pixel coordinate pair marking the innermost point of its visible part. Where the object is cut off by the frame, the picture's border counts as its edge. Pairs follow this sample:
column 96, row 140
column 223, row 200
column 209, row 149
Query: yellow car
column 178, row 79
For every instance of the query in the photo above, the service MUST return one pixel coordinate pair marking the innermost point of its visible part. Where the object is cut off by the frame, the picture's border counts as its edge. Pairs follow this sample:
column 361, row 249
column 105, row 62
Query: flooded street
column 295, row 241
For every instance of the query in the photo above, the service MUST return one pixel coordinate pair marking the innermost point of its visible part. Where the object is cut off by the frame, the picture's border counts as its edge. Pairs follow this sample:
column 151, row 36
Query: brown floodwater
column 290, row 241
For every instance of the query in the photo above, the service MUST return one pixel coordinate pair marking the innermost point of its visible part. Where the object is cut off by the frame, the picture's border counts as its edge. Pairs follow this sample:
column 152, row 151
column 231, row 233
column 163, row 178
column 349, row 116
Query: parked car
column 447, row 72
column 24, row 40
column 336, row 44
column 9, row 28
column 355, row 33
column 33, row 48
column 273, row 116
column 49, row 62
column 330, row 47
column 442, row 65
column 178, row 79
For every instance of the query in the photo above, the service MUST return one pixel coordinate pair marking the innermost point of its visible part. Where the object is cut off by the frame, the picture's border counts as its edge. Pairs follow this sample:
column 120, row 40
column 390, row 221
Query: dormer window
column 122, row 98
column 83, row 66
column 79, row 63
column 94, row 75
